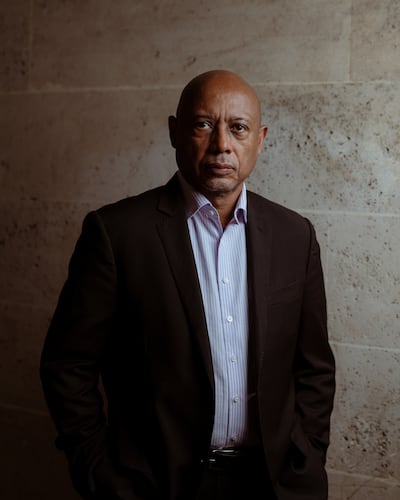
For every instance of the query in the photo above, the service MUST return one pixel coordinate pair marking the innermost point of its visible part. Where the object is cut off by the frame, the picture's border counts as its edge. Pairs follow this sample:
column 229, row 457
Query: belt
column 228, row 458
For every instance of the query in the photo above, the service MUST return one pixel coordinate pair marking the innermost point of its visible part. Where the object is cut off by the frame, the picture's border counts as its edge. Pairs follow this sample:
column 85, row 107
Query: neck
column 225, row 206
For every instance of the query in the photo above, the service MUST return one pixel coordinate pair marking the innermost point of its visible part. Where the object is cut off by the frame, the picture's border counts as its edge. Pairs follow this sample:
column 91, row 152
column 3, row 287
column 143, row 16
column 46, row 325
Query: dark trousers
column 236, row 478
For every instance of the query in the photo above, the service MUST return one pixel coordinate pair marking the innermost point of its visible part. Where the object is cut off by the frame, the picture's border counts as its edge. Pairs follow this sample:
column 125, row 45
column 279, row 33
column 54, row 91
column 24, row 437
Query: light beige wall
column 85, row 91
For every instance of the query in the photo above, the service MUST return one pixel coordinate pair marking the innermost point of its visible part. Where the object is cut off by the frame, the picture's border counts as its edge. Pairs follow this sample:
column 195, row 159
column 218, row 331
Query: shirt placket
column 229, row 323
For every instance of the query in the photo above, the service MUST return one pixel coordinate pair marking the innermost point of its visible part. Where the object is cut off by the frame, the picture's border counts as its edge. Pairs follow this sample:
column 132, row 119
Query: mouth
column 219, row 168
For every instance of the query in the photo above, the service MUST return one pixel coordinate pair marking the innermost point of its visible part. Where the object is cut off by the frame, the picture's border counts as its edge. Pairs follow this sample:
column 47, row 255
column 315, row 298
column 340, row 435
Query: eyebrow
column 211, row 117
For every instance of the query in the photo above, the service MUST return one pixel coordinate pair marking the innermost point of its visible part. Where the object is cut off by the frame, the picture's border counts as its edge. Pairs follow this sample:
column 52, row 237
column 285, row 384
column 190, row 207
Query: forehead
column 219, row 101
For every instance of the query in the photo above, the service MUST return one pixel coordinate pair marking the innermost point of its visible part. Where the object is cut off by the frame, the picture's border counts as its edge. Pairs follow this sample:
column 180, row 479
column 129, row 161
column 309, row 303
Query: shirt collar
column 195, row 201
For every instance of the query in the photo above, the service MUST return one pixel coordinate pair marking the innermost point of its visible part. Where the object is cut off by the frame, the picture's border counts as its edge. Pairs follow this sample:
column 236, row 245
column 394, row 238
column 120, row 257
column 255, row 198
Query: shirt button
column 236, row 399
column 233, row 358
column 229, row 318
column 225, row 280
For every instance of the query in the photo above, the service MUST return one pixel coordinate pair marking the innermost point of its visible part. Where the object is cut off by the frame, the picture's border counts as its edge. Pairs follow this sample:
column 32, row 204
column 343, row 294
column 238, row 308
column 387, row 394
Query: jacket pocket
column 303, row 469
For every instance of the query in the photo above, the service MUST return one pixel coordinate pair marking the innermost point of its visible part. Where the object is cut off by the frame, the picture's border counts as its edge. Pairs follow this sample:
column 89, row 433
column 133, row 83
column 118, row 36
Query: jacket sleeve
column 73, row 352
column 314, row 364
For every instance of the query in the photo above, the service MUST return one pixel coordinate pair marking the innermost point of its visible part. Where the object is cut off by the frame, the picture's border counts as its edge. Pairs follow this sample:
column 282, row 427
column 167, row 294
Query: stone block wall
column 85, row 91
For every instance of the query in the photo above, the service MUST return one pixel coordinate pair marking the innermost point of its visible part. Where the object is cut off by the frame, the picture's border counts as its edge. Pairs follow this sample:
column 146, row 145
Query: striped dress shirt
column 221, row 262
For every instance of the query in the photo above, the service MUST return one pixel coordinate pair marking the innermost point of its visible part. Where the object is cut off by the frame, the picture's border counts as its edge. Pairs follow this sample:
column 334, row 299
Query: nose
column 220, row 140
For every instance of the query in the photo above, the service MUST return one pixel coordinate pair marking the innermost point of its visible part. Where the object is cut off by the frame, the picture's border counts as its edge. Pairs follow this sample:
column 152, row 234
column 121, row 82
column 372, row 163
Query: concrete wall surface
column 85, row 91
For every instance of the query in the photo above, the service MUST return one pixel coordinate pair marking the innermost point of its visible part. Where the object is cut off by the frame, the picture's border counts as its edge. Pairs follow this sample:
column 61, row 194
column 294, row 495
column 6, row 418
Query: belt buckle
column 222, row 453
column 226, row 452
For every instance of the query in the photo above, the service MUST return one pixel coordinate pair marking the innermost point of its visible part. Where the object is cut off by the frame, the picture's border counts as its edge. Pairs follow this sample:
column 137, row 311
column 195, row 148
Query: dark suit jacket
column 131, row 311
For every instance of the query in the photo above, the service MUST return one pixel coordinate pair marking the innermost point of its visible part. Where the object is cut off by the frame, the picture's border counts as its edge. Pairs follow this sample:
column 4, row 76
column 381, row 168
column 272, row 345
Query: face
column 217, row 136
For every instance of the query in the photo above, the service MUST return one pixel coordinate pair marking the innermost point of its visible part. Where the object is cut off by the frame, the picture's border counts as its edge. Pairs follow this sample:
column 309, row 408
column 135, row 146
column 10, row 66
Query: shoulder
column 165, row 199
column 273, row 212
column 137, row 216
column 285, row 230
column 128, row 216
column 147, row 199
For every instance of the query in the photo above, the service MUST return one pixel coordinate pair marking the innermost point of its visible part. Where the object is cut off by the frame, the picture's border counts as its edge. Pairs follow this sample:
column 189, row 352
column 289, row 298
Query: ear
column 172, row 125
column 262, row 134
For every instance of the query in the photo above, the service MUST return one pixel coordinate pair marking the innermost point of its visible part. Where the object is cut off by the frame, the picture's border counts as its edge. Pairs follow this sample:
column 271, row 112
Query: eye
column 239, row 128
column 203, row 125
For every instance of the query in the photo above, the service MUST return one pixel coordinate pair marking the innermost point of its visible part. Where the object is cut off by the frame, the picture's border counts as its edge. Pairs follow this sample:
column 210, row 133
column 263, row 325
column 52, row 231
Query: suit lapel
column 258, row 234
column 174, row 235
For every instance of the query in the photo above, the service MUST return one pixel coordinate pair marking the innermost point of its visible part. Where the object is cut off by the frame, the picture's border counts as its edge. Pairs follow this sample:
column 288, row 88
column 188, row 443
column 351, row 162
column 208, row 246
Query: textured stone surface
column 14, row 44
column 85, row 146
column 332, row 147
column 31, row 467
column 152, row 43
column 333, row 153
column 366, row 420
column 375, row 40
column 22, row 330
column 36, row 241
column 320, row 150
column 344, row 486
column 364, row 280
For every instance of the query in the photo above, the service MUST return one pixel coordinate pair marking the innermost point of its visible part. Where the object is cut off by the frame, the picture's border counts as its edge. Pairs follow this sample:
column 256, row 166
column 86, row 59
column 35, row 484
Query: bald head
column 217, row 82
column 217, row 135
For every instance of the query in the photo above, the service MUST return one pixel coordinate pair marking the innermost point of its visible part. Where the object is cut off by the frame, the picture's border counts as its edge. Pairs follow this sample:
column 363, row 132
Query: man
column 202, row 307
